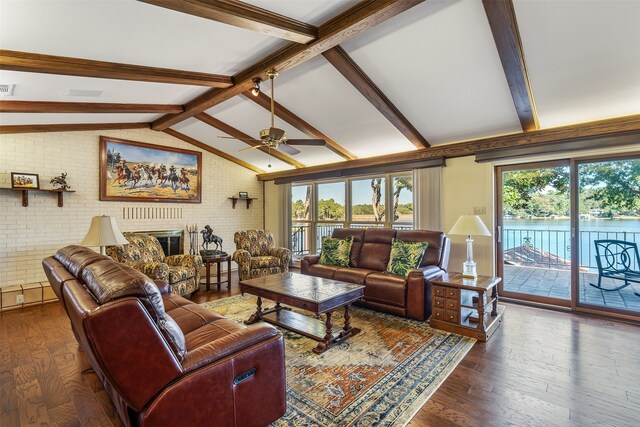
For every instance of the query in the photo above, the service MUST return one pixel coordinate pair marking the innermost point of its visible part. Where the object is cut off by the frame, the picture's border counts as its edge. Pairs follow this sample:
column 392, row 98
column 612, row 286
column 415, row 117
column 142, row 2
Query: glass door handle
column 499, row 234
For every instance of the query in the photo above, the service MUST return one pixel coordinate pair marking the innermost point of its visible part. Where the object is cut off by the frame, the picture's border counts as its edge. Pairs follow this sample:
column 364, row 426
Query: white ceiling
column 437, row 62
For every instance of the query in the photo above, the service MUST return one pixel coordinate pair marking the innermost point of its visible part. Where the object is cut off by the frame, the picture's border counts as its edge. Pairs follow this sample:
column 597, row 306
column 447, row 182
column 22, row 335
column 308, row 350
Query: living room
column 400, row 116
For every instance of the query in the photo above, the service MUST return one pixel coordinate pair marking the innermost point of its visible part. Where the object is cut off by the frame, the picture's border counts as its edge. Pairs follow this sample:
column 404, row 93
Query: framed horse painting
column 138, row 172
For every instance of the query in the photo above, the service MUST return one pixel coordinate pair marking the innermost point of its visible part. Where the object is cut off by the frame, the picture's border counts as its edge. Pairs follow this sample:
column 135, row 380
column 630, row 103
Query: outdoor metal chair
column 618, row 260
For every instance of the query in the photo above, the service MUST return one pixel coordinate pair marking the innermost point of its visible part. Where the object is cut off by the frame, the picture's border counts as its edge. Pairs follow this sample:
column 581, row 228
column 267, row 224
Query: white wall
column 27, row 235
column 467, row 185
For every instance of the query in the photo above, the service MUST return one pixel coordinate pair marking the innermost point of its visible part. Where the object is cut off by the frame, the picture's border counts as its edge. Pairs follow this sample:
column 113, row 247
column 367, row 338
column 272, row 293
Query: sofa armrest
column 155, row 270
column 139, row 363
column 427, row 272
column 444, row 258
column 419, row 291
column 228, row 345
column 284, row 255
column 308, row 261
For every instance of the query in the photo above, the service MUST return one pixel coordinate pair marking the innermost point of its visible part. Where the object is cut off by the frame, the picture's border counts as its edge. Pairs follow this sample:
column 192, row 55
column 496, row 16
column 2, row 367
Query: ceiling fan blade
column 316, row 142
column 251, row 148
column 289, row 150
column 240, row 139
column 275, row 133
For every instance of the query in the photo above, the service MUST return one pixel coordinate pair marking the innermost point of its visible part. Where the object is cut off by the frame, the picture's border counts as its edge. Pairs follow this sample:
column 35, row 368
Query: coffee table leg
column 327, row 341
column 257, row 315
column 347, row 318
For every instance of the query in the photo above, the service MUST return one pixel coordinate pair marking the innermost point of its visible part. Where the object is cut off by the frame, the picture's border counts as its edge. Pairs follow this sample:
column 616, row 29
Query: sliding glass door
column 568, row 233
column 608, row 210
column 534, row 232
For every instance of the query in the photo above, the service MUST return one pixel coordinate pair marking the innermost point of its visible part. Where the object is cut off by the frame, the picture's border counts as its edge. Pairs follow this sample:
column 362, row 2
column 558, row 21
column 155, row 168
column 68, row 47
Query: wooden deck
column 556, row 284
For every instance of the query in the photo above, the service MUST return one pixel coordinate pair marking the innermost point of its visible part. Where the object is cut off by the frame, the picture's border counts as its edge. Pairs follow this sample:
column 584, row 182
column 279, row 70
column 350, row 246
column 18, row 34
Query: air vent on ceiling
column 6, row 90
column 83, row 92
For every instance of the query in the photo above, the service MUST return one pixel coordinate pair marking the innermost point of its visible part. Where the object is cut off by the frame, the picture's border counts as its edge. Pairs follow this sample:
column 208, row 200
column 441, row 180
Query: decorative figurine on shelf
column 61, row 181
column 209, row 237
column 193, row 238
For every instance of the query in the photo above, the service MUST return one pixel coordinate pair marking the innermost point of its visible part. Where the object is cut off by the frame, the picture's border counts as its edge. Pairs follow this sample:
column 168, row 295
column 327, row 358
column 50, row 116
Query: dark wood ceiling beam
column 622, row 127
column 49, row 64
column 64, row 127
column 84, row 107
column 247, row 139
column 212, row 150
column 348, row 24
column 359, row 79
column 502, row 19
column 243, row 15
column 288, row 116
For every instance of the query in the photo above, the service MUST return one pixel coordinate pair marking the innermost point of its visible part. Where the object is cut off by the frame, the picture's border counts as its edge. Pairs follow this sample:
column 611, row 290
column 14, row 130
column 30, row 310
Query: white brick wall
column 27, row 235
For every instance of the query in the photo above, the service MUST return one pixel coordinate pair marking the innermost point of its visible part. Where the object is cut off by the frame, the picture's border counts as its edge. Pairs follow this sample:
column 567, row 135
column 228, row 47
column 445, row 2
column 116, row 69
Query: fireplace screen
column 170, row 240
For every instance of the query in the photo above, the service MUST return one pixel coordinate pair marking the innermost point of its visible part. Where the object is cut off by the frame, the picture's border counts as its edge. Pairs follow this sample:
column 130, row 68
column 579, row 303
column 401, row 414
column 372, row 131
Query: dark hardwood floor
column 541, row 368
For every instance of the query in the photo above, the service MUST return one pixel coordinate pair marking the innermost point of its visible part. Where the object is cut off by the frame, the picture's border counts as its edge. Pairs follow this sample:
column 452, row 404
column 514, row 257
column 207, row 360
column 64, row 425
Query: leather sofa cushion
column 108, row 280
column 75, row 258
column 190, row 317
column 211, row 332
column 356, row 246
column 376, row 249
column 386, row 288
column 434, row 238
column 352, row 275
column 320, row 270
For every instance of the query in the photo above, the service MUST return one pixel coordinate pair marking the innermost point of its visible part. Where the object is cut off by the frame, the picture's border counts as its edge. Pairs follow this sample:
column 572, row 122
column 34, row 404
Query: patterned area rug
column 380, row 377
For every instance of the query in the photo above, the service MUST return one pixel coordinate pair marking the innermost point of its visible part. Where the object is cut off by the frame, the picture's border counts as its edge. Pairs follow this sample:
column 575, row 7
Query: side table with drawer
column 466, row 306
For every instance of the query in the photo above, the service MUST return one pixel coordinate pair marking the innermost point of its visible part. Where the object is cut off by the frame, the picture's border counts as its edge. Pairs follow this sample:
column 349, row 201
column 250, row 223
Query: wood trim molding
column 288, row 116
column 342, row 62
column 243, row 15
column 231, row 131
column 84, row 107
column 348, row 24
column 621, row 126
column 63, row 127
column 504, row 26
column 212, row 150
column 49, row 64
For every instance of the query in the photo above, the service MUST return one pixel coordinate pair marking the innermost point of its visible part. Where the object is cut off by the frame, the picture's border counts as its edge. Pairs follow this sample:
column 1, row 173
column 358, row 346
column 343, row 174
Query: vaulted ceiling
column 372, row 78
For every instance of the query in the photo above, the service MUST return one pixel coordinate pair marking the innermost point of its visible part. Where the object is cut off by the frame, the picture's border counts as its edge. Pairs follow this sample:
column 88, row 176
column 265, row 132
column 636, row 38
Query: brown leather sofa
column 164, row 360
column 404, row 296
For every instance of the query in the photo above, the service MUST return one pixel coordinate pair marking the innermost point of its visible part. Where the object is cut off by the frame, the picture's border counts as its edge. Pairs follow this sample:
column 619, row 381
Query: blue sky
column 360, row 192
column 133, row 154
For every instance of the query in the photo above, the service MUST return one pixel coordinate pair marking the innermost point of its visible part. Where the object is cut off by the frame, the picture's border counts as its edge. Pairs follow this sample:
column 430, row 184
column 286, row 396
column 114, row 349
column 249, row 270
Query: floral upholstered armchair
column 145, row 254
column 257, row 255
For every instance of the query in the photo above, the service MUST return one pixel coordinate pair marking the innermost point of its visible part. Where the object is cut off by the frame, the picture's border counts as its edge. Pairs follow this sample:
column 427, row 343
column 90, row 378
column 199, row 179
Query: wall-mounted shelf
column 234, row 200
column 25, row 194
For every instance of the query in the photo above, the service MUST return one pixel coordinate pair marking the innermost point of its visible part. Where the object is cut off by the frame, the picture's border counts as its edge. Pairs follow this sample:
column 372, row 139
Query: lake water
column 553, row 235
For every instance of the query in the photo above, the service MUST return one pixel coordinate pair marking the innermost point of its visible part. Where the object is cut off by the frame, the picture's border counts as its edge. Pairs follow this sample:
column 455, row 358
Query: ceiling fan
column 274, row 137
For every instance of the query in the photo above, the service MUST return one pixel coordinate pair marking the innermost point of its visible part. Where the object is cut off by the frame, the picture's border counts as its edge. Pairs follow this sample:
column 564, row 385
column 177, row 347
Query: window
column 318, row 208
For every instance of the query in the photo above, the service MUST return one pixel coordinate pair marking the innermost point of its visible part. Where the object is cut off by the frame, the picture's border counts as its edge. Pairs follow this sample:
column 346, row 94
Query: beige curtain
column 284, row 226
column 427, row 190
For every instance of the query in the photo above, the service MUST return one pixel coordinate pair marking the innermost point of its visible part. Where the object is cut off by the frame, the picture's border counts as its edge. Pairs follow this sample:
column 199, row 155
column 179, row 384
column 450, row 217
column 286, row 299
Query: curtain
column 284, row 225
column 427, row 190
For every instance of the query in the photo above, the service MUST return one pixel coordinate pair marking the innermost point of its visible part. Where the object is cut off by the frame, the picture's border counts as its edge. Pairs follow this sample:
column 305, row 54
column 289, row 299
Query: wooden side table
column 216, row 260
column 457, row 308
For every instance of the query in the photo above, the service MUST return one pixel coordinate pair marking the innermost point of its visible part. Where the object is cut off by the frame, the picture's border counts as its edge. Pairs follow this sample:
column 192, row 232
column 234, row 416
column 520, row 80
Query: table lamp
column 469, row 225
column 103, row 232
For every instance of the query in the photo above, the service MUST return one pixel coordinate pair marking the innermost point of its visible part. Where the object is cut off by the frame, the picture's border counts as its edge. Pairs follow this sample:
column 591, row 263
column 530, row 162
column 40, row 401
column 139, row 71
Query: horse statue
column 209, row 237
column 61, row 181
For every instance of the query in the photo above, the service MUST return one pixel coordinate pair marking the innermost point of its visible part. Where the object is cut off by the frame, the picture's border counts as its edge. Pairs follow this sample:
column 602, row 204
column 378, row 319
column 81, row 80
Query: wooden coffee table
column 309, row 293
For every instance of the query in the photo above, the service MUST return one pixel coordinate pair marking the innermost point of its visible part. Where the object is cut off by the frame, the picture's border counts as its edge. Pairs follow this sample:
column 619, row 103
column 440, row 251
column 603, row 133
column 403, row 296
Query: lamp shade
column 104, row 231
column 469, row 225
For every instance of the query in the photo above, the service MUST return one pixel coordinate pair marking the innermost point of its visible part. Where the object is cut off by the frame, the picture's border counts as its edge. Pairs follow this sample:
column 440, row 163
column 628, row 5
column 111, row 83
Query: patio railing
column 552, row 248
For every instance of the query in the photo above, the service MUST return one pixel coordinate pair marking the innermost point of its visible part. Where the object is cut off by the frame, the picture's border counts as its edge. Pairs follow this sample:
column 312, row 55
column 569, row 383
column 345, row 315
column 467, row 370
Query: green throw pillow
column 405, row 256
column 336, row 251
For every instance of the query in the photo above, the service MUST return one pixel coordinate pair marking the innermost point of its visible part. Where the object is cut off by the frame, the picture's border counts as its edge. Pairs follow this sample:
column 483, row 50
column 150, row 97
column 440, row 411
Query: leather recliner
column 164, row 360
column 370, row 252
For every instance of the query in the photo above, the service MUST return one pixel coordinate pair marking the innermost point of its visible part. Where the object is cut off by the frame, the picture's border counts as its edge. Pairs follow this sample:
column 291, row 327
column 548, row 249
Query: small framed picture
column 243, row 195
column 25, row 180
